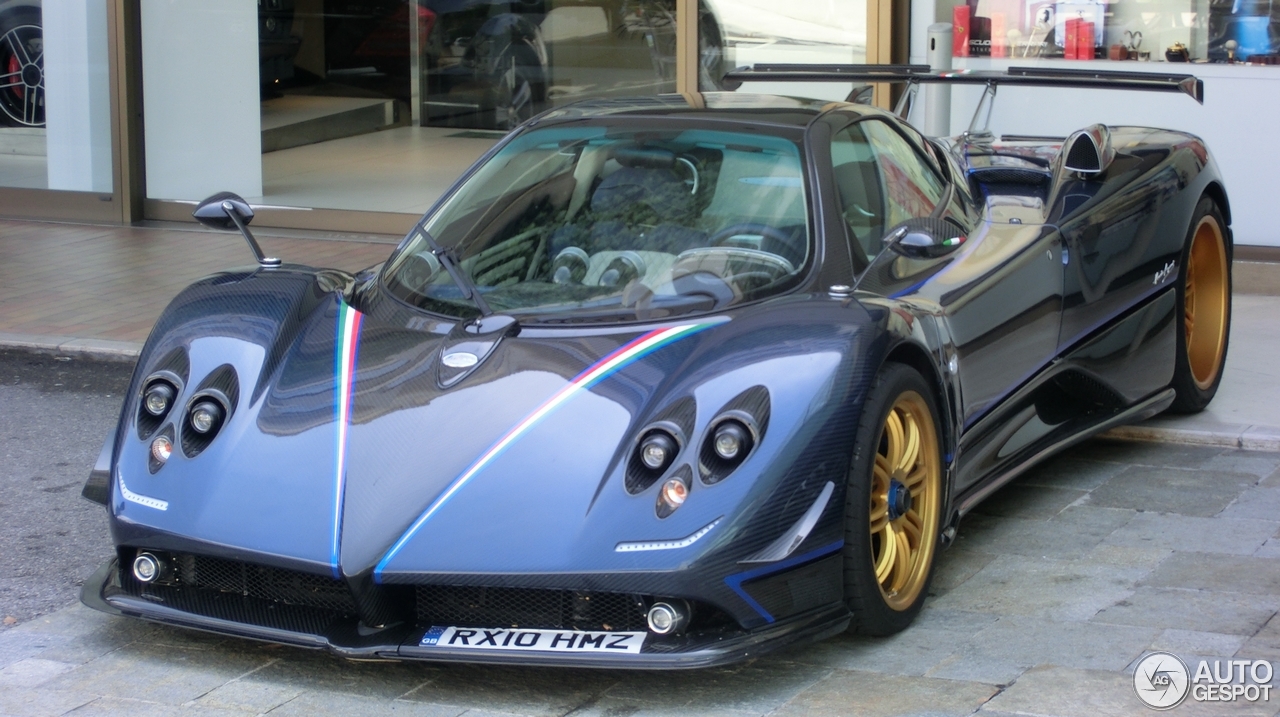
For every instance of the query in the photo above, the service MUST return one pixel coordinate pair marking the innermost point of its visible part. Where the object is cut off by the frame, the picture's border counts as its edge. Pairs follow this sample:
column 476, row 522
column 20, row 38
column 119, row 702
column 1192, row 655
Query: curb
column 97, row 349
column 1155, row 430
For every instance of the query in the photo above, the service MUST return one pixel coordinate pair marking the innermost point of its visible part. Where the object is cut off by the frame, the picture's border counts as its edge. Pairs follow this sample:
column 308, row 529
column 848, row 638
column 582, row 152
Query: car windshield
column 610, row 222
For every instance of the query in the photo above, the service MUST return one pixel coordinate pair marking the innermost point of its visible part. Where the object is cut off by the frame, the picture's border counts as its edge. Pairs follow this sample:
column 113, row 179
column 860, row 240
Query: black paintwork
column 1050, row 323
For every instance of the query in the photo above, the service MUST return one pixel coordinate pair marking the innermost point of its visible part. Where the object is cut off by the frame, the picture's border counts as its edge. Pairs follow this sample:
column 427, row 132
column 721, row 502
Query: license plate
column 580, row 641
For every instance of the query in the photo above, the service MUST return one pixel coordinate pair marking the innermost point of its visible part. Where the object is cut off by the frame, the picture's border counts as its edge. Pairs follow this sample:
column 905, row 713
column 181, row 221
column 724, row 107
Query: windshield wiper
column 456, row 272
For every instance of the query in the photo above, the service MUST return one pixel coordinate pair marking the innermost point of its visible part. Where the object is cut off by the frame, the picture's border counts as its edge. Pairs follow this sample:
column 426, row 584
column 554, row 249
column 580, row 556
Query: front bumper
column 342, row 635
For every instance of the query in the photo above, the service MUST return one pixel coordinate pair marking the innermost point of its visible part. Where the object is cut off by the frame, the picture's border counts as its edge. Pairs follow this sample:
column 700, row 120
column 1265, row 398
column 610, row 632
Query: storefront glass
column 55, row 104
column 767, row 31
column 1175, row 31
column 374, row 105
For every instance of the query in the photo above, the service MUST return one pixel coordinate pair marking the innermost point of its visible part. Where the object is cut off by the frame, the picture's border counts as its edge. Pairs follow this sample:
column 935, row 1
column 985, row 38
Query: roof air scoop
column 1088, row 151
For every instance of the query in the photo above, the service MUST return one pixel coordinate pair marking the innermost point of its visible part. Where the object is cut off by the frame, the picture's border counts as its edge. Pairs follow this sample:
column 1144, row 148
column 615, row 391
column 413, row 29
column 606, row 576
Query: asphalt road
column 54, row 415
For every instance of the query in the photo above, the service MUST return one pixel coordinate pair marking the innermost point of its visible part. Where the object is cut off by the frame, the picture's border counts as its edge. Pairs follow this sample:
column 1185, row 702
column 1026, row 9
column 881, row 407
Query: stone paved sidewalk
column 1055, row 588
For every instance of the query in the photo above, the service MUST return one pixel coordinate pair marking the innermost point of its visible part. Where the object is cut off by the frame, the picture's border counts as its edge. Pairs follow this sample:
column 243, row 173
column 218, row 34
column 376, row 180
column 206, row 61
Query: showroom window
column 371, row 105
column 55, row 96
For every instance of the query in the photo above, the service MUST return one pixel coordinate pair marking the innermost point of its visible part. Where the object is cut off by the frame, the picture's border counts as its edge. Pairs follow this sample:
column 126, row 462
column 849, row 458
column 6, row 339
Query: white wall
column 200, row 96
column 77, row 95
column 1237, row 120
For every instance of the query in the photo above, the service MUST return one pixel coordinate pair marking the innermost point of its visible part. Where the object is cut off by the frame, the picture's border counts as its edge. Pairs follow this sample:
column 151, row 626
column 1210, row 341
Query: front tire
column 893, row 504
column 1204, row 305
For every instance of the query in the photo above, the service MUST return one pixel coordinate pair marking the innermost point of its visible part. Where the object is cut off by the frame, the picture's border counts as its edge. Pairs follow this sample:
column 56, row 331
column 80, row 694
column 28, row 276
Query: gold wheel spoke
column 888, row 547
column 913, row 526
column 901, row 562
column 912, row 450
column 893, row 430
column 915, row 480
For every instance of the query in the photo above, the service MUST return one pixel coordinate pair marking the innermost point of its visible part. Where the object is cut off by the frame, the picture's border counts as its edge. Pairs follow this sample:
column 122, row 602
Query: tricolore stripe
column 627, row 354
column 347, row 349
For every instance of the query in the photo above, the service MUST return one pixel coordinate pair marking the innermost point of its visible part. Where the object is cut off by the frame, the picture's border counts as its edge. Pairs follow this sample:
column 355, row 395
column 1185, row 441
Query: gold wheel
column 1204, row 302
column 906, row 488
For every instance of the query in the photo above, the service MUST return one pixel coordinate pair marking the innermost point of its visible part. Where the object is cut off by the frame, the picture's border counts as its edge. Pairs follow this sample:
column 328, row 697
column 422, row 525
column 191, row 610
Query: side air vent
column 1089, row 150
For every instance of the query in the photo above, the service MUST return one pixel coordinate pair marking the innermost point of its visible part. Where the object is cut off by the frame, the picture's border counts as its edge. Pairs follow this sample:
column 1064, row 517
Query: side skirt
column 1139, row 412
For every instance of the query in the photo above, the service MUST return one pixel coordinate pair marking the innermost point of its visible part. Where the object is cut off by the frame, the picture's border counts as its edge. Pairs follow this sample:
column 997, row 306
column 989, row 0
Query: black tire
column 1198, row 366
column 877, row 611
column 21, row 37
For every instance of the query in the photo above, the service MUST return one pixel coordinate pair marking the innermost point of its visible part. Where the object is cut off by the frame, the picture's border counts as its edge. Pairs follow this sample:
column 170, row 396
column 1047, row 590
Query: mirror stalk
column 263, row 259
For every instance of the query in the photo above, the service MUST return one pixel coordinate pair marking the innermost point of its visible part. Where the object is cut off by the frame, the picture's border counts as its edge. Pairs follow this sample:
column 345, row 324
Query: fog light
column 667, row 618
column 205, row 416
column 657, row 450
column 146, row 567
column 161, row 449
column 157, row 399
column 674, row 492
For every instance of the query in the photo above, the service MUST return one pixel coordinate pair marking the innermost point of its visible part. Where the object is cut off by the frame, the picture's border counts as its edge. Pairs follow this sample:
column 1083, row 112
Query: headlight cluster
column 727, row 441
column 165, row 424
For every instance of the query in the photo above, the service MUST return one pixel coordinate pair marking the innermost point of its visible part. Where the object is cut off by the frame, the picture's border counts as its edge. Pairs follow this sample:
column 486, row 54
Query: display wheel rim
column 904, row 530
column 22, row 76
column 1204, row 303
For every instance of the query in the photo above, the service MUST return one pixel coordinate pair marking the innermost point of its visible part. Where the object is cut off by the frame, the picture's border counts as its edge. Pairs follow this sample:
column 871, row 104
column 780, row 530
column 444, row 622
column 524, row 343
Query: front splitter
column 344, row 637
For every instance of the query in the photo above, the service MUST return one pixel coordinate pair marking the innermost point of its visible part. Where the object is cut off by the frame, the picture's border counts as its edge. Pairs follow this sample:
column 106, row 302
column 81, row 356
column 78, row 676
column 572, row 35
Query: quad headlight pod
column 731, row 440
column 657, row 449
column 158, row 397
column 206, row 416
column 733, row 434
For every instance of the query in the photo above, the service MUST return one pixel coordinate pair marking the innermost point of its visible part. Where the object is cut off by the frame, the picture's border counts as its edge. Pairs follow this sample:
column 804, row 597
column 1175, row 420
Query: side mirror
column 924, row 238
column 229, row 211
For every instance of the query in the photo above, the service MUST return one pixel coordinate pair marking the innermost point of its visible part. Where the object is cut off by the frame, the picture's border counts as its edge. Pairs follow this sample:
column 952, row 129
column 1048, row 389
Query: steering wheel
column 750, row 228
column 764, row 265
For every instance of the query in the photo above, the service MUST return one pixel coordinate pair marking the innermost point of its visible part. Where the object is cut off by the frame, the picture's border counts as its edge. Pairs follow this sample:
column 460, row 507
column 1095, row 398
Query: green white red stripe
column 347, row 350
column 597, row 372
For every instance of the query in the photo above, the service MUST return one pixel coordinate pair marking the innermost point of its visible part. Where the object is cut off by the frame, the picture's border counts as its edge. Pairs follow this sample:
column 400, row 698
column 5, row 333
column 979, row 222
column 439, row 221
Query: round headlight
column 731, row 440
column 657, row 450
column 205, row 416
column 161, row 449
column 674, row 492
column 157, row 399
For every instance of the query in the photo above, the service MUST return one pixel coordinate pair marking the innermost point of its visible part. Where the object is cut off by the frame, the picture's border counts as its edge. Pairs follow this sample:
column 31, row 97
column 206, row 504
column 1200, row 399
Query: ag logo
column 1161, row 680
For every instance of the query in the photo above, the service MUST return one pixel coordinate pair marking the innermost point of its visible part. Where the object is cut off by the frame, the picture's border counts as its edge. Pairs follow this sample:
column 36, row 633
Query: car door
column 1001, row 292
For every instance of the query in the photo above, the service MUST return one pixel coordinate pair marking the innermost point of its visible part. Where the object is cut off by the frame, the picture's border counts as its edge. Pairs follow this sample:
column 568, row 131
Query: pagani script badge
column 1161, row 680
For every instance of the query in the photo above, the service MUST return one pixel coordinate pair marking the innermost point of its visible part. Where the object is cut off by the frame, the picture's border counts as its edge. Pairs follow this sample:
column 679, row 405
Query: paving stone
column 867, row 694
column 1184, row 642
column 305, row 670
column 1171, row 490
column 987, row 669
column 250, row 694
column 1032, row 502
column 1265, row 645
column 1052, row 691
column 1141, row 559
column 759, row 686
column 614, row 707
column 1259, row 464
column 913, row 651
column 158, row 674
column 1191, row 534
column 954, row 566
column 518, row 690
column 1202, row 610
column 16, row 646
column 324, row 704
column 1039, row 587
column 1070, row 534
column 1071, row 472
column 1226, row 573
column 32, row 672
column 1179, row 455
column 117, row 707
column 42, row 702
column 1027, row 642
column 1255, row 504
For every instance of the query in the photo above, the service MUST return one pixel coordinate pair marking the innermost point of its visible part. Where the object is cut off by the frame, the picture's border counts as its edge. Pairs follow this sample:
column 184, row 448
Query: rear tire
column 890, row 539
column 21, row 68
column 1204, row 310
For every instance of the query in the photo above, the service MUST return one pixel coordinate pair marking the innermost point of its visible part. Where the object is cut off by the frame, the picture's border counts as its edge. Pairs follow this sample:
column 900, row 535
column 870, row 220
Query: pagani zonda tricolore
column 658, row 384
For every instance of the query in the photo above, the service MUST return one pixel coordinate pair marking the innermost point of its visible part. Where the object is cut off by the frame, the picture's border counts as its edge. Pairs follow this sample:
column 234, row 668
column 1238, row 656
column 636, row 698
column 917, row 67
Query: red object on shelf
column 1084, row 35
column 1071, row 41
column 999, row 40
column 960, row 31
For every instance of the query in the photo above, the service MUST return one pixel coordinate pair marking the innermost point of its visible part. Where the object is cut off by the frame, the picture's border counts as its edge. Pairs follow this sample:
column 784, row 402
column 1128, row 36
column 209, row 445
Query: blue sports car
column 662, row 382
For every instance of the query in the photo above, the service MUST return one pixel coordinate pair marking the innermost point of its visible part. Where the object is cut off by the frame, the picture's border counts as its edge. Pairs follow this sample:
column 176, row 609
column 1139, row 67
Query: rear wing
column 923, row 74
column 916, row 75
